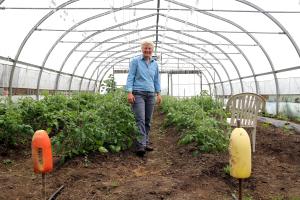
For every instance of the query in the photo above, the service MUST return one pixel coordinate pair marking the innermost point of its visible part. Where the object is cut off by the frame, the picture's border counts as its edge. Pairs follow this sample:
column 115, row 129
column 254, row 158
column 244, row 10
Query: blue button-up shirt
column 143, row 76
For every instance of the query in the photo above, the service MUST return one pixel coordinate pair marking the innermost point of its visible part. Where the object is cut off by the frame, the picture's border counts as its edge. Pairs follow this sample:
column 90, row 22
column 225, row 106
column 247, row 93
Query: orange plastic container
column 41, row 152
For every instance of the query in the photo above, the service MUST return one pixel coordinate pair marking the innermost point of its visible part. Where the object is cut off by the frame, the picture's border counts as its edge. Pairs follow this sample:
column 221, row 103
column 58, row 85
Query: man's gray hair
column 147, row 42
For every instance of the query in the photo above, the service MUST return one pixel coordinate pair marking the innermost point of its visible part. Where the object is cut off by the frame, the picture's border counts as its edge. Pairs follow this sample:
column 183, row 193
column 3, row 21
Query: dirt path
column 169, row 172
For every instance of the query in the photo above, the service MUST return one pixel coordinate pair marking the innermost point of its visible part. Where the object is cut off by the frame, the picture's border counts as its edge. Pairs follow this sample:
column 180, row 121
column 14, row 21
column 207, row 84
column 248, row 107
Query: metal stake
column 240, row 189
column 43, row 186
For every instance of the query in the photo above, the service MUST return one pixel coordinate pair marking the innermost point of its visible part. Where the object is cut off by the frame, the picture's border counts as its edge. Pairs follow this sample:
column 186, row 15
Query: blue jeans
column 143, row 109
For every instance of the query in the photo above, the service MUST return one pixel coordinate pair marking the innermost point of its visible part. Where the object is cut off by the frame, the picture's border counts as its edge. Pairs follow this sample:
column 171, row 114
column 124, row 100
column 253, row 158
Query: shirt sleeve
column 131, row 75
column 157, row 80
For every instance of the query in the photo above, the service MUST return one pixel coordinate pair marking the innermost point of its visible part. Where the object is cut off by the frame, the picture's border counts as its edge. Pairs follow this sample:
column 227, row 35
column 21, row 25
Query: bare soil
column 169, row 172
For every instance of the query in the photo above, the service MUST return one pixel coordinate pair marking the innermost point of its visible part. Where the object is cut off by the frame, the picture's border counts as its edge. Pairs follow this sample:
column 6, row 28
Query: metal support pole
column 168, row 84
column 215, row 89
column 240, row 189
column 194, row 84
column 43, row 187
column 171, row 85
column 178, row 79
column 200, row 82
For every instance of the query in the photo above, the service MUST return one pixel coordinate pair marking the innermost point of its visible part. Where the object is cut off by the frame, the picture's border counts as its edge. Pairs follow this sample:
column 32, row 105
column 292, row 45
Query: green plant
column 265, row 114
column 226, row 169
column 266, row 124
column 201, row 121
column 110, row 83
column 247, row 197
column 100, row 123
column 277, row 198
column 7, row 161
column 297, row 119
column 286, row 129
column 13, row 131
column 114, row 184
column 86, row 161
column 282, row 116
column 294, row 198
column 77, row 124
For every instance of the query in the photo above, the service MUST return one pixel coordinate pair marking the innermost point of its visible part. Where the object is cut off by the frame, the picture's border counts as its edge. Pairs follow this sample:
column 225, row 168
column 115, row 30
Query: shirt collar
column 142, row 58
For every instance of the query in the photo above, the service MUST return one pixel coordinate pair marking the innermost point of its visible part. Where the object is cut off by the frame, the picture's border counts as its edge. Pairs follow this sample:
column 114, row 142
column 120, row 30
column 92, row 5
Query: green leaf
column 102, row 150
column 186, row 139
column 49, row 130
column 115, row 148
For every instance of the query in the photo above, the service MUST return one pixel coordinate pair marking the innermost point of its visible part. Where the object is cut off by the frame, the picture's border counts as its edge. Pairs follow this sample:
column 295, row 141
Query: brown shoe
column 149, row 148
column 140, row 152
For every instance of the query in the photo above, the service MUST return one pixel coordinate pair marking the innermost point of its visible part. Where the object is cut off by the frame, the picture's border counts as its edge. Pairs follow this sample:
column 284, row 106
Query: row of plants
column 282, row 116
column 200, row 120
column 77, row 124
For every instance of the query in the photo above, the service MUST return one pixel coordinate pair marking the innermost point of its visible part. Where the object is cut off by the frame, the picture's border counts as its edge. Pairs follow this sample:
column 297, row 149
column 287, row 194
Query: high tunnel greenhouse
column 150, row 99
column 222, row 47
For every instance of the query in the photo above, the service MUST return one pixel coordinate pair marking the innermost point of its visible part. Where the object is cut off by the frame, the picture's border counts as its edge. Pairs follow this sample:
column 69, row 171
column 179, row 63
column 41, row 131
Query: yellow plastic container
column 240, row 154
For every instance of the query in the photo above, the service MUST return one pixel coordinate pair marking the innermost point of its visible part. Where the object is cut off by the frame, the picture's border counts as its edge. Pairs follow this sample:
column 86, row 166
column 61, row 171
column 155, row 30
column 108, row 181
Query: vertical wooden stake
column 43, row 186
column 240, row 189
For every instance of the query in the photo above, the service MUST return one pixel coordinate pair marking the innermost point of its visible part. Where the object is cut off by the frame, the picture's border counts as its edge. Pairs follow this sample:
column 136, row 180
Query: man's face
column 147, row 50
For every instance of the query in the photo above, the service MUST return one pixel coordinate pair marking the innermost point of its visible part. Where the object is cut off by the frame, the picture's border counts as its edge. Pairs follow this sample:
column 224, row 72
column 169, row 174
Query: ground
column 169, row 172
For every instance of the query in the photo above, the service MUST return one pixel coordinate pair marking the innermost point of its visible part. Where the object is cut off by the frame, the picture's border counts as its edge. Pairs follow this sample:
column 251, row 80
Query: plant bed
column 169, row 172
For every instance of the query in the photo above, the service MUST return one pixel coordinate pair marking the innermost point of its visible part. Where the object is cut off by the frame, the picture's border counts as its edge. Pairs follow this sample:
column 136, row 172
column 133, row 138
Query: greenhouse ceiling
column 74, row 45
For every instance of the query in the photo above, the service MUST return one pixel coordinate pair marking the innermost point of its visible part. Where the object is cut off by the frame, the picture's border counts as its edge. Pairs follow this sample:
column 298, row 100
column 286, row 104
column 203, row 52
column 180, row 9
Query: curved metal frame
column 213, row 81
column 76, row 45
column 150, row 36
column 223, row 67
column 183, row 50
column 250, row 65
column 72, row 28
column 90, row 36
column 103, row 51
column 57, row 80
column 285, row 31
column 210, row 92
column 126, row 55
column 169, row 45
column 92, row 61
column 28, row 36
column 176, row 19
column 106, row 59
column 170, row 51
column 223, row 52
column 223, row 37
column 49, row 14
column 250, row 35
column 275, row 21
column 169, row 55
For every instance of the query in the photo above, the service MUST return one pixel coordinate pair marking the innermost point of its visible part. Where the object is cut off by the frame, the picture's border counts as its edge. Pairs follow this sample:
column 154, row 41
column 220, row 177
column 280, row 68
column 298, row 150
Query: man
column 143, row 84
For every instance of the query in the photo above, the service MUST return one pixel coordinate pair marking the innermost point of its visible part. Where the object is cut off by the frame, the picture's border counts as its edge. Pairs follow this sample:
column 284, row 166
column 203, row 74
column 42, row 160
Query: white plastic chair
column 245, row 106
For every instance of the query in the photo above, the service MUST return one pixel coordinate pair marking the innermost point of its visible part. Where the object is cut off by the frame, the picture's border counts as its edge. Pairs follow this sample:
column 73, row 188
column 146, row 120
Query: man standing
column 143, row 84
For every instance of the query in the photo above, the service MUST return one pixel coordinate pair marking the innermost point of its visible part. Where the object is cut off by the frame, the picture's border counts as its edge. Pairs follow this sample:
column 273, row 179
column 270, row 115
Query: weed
column 226, row 169
column 266, row 124
column 247, row 197
column 286, row 129
column 294, row 198
column 114, row 184
column 7, row 161
column 86, row 161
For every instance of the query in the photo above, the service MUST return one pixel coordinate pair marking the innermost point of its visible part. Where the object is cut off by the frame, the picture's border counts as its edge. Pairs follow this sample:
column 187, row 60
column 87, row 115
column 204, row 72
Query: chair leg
column 253, row 139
